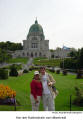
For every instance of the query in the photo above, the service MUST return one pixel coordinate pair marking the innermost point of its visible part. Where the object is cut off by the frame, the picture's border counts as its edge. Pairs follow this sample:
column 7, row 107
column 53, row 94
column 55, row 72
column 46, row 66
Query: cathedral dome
column 36, row 28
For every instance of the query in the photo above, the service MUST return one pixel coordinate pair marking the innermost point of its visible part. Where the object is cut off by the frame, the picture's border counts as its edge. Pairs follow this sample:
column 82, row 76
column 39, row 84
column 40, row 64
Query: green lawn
column 47, row 62
column 65, row 85
column 18, row 60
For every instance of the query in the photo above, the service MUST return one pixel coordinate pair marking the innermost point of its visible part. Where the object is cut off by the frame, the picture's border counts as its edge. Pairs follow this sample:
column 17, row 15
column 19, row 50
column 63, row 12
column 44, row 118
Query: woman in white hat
column 36, row 91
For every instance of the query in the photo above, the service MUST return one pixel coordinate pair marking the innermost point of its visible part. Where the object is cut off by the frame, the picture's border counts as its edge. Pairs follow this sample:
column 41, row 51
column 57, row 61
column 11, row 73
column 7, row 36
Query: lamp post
column 63, row 56
column 70, row 102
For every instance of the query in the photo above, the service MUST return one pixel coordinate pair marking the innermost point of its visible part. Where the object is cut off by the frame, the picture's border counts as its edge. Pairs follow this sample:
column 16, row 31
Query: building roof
column 36, row 28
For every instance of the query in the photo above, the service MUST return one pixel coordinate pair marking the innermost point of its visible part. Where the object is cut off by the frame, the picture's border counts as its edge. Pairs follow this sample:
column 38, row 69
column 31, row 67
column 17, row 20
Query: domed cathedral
column 35, row 44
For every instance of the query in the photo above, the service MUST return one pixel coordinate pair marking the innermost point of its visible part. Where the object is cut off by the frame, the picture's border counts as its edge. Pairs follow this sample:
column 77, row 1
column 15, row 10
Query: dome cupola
column 36, row 29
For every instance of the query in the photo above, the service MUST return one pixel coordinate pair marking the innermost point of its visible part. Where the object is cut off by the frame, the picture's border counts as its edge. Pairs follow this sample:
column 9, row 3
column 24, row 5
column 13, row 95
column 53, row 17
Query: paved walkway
column 57, row 68
column 7, row 64
column 25, row 66
column 29, row 63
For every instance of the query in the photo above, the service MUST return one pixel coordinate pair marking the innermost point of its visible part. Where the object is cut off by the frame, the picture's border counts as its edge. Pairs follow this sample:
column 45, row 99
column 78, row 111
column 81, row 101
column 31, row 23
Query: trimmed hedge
column 64, row 72
column 13, row 71
column 25, row 71
column 57, row 71
column 79, row 74
column 52, row 70
column 69, row 63
column 34, row 68
column 79, row 97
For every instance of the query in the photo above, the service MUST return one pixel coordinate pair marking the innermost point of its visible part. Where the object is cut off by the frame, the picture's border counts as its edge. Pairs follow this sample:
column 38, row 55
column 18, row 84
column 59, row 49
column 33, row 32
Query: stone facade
column 35, row 45
column 60, row 53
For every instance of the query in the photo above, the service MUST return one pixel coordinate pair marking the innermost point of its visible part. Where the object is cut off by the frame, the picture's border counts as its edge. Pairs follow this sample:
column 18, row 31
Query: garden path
column 29, row 63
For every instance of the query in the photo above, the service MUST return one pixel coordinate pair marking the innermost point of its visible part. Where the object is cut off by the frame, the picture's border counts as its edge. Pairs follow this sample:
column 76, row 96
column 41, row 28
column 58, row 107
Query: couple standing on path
column 42, row 88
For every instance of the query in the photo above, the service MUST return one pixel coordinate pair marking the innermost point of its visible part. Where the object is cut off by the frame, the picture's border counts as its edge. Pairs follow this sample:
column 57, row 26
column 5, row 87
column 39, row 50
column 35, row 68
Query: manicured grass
column 47, row 62
column 21, row 85
column 64, row 84
column 18, row 60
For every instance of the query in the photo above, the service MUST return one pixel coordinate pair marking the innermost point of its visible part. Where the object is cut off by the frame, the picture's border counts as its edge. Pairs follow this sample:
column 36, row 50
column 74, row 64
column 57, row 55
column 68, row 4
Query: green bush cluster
column 13, row 71
column 10, row 46
column 34, row 68
column 79, row 74
column 52, row 70
column 57, row 71
column 69, row 63
column 25, row 71
column 4, row 56
column 3, row 73
column 64, row 72
column 79, row 97
column 76, row 60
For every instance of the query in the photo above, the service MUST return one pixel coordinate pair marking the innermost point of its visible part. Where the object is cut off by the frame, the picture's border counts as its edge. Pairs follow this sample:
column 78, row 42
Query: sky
column 61, row 20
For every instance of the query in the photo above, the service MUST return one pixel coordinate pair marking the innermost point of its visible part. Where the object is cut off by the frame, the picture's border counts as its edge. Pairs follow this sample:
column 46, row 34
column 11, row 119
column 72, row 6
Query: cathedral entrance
column 27, row 54
column 35, row 54
column 40, row 54
column 31, row 54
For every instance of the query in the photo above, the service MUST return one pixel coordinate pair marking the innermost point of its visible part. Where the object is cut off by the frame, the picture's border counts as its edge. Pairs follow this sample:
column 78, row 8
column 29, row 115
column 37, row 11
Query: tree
column 4, row 56
column 10, row 46
column 58, row 48
column 51, row 50
column 74, row 54
column 76, row 61
column 81, row 58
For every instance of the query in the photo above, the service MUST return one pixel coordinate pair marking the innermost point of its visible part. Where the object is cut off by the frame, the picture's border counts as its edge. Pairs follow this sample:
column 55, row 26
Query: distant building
column 60, row 53
column 35, row 45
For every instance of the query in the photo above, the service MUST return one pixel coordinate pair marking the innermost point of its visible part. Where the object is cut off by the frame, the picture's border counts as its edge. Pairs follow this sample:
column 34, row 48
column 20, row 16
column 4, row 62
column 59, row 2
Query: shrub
column 13, row 71
column 33, row 68
column 79, row 97
column 69, row 63
column 17, row 66
column 52, row 70
column 25, row 71
column 79, row 74
column 57, row 71
column 36, row 68
column 3, row 74
column 64, row 72
column 30, row 69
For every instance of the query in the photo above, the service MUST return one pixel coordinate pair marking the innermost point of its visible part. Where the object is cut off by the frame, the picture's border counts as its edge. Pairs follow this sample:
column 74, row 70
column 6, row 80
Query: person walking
column 36, row 91
column 48, row 94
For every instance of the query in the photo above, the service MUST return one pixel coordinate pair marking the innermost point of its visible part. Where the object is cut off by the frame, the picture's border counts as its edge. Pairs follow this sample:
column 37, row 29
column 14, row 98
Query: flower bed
column 7, row 95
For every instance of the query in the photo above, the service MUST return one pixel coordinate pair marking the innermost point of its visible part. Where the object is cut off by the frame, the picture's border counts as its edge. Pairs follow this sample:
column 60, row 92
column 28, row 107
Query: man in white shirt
column 48, row 94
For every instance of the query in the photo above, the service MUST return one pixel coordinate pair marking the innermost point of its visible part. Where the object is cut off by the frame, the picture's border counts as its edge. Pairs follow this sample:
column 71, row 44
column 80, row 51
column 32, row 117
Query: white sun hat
column 36, row 73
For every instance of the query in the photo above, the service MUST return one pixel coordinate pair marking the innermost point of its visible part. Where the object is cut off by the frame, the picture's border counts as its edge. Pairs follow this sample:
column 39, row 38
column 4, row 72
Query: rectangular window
column 34, row 45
